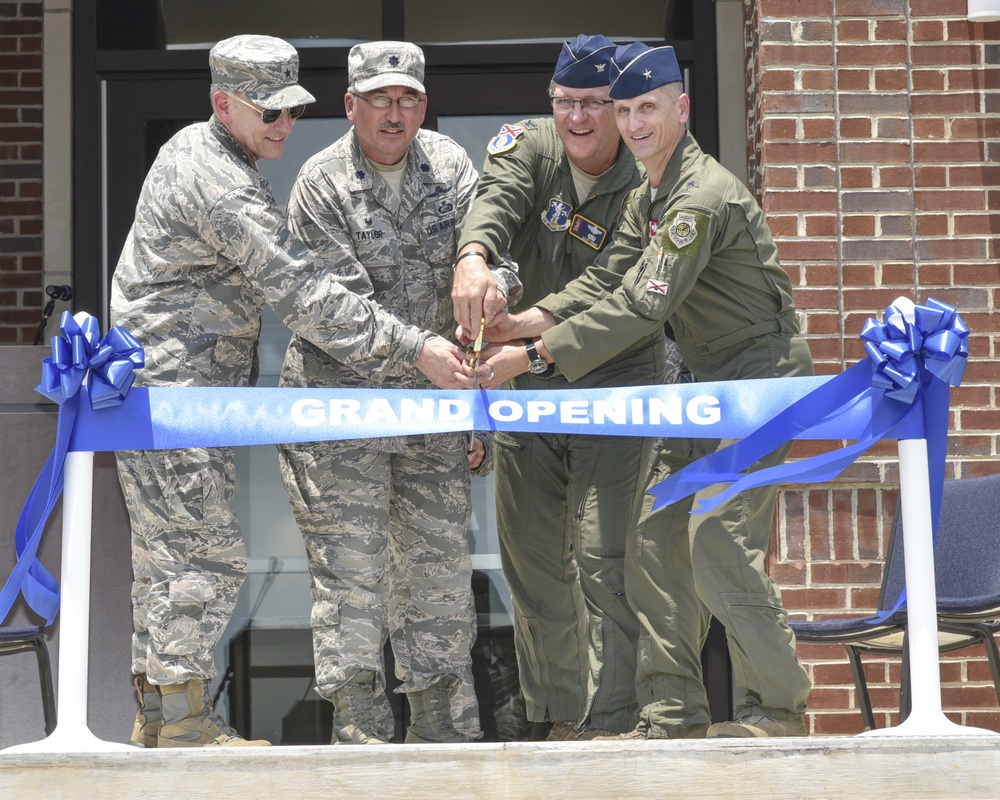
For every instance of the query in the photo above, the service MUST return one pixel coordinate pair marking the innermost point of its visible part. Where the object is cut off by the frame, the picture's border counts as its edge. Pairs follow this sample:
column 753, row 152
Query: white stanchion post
column 71, row 734
column 926, row 717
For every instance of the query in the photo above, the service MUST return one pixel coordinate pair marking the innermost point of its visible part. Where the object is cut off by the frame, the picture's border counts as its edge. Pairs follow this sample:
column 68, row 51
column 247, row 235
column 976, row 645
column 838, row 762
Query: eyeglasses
column 382, row 101
column 271, row 115
column 564, row 105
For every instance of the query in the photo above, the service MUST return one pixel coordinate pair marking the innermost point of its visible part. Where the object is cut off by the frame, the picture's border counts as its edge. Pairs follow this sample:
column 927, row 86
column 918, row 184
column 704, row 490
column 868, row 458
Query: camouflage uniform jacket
column 526, row 207
column 208, row 247
column 396, row 250
column 710, row 269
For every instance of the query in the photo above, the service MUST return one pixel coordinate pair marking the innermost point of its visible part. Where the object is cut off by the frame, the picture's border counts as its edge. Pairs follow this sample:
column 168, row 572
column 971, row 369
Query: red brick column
column 875, row 142
column 21, row 296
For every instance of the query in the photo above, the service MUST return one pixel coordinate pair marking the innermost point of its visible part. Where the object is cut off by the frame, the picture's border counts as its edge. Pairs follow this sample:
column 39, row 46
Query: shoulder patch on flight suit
column 505, row 140
column 683, row 231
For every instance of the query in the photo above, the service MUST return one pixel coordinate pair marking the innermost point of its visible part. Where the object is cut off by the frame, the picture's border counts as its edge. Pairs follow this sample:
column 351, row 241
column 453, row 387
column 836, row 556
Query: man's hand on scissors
column 475, row 292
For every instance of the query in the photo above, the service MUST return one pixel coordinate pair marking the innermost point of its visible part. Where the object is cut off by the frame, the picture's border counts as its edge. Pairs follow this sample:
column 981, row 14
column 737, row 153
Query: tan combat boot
column 758, row 726
column 354, row 712
column 190, row 721
column 430, row 713
column 147, row 721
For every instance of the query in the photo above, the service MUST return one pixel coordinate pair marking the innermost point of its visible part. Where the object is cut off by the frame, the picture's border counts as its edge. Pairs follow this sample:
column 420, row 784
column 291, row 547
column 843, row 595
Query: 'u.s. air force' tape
column 176, row 417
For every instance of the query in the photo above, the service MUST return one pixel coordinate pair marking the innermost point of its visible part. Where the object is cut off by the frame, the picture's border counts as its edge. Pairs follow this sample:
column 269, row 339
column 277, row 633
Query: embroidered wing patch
column 590, row 233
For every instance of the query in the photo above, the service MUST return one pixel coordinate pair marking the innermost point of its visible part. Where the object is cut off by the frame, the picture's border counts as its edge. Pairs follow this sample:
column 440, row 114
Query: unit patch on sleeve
column 556, row 216
column 684, row 231
column 590, row 233
column 505, row 140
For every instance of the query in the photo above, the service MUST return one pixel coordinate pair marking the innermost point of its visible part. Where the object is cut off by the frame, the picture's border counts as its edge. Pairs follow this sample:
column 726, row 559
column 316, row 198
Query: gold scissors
column 477, row 348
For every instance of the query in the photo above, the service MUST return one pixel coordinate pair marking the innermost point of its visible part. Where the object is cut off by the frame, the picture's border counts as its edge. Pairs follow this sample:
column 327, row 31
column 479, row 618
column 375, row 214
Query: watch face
column 539, row 367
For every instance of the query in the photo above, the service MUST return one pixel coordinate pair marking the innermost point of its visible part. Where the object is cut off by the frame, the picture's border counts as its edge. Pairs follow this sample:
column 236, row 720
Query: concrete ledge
column 775, row 769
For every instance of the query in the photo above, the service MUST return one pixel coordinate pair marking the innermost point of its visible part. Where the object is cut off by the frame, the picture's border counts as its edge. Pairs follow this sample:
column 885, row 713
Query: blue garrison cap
column 583, row 63
column 637, row 69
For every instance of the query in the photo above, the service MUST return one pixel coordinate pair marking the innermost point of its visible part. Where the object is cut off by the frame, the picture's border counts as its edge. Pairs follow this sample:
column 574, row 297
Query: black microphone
column 54, row 292
column 63, row 292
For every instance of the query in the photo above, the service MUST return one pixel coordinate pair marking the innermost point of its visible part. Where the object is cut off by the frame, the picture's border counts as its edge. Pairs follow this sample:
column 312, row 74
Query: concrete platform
column 827, row 768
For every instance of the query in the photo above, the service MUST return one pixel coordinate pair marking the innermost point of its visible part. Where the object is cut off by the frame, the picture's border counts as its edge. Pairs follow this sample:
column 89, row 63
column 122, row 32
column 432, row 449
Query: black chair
column 967, row 577
column 30, row 637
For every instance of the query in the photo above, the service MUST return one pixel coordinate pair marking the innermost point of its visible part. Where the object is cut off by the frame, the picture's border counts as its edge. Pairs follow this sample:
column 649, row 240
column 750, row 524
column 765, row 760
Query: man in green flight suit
column 711, row 271
column 549, row 196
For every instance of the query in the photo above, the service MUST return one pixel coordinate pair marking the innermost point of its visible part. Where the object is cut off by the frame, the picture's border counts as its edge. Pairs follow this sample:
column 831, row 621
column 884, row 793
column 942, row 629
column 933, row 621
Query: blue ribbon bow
column 914, row 357
column 107, row 367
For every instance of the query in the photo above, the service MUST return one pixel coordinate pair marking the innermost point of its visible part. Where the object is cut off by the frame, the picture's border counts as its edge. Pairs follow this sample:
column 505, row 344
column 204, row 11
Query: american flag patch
column 658, row 287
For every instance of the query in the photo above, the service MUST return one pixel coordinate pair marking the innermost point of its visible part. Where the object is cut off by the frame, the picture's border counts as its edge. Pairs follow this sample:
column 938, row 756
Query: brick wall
column 21, row 294
column 875, row 143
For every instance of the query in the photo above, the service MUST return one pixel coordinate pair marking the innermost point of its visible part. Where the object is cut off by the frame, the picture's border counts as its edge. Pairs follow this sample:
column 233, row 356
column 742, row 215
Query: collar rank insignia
column 590, row 233
column 556, row 216
column 505, row 140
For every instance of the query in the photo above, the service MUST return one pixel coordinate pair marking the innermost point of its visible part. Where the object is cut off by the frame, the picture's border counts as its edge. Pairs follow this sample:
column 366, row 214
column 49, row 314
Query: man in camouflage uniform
column 550, row 195
column 384, row 520
column 207, row 249
column 712, row 271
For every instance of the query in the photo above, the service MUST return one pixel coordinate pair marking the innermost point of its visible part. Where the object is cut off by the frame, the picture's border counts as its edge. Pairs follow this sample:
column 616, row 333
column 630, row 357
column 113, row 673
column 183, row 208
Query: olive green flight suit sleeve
column 505, row 196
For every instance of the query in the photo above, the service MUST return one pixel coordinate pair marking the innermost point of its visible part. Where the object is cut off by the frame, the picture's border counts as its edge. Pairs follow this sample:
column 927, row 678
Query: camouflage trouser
column 385, row 534
column 188, row 558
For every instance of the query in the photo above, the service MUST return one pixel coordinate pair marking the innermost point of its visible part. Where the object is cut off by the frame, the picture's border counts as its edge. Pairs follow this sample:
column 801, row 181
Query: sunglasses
column 271, row 115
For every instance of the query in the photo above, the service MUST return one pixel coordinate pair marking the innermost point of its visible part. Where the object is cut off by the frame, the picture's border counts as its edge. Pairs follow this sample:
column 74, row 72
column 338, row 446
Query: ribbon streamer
column 915, row 354
column 79, row 357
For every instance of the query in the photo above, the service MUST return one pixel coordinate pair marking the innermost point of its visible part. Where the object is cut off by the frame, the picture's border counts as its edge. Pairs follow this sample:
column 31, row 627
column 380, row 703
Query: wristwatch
column 536, row 364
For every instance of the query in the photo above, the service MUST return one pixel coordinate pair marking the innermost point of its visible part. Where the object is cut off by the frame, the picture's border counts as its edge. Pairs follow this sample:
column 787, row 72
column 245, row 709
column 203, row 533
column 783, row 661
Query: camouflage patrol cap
column 375, row 65
column 263, row 68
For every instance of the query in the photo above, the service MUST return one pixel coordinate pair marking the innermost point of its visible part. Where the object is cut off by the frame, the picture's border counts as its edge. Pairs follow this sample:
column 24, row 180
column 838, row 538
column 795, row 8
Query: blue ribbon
column 900, row 391
column 169, row 417
column 79, row 355
column 914, row 357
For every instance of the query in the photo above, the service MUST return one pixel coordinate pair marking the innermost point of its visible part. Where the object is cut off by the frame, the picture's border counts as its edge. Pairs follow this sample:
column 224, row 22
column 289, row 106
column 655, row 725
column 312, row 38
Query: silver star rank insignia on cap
column 647, row 74
column 393, row 61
